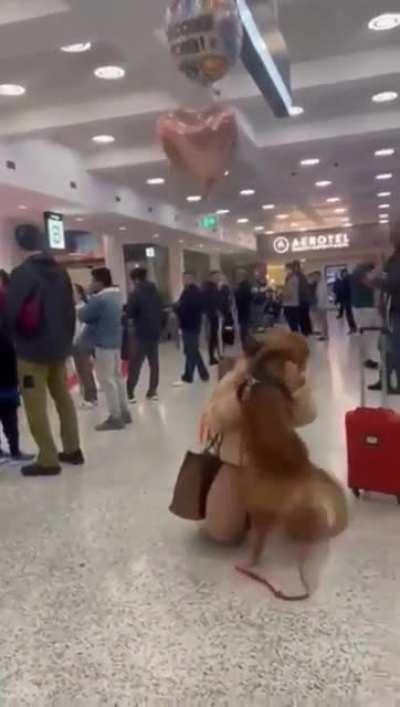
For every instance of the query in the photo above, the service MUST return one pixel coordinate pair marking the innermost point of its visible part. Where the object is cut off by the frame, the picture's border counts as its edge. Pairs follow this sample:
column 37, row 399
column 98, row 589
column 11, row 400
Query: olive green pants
column 34, row 380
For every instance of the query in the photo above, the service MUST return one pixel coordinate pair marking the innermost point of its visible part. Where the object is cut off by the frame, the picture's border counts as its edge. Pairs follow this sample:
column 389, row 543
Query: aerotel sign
column 326, row 241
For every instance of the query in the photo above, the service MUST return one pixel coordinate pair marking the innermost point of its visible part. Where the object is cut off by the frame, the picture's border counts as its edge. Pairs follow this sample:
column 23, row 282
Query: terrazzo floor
column 106, row 599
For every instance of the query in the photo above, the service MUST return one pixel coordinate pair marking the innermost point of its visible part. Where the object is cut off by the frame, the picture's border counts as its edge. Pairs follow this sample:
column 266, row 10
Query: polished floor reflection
column 106, row 599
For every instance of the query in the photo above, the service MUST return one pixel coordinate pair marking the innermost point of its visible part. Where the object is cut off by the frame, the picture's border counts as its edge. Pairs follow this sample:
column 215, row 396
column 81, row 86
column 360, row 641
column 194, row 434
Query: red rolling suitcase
column 373, row 440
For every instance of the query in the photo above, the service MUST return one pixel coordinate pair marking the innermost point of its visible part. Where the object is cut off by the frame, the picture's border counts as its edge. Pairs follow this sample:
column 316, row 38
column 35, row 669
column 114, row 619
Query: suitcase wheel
column 356, row 493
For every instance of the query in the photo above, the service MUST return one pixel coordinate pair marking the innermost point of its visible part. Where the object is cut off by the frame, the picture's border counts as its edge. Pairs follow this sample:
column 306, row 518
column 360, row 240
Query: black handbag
column 196, row 475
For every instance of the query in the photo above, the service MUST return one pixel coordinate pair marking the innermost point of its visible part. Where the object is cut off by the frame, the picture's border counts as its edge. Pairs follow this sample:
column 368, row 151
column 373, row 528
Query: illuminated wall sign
column 209, row 222
column 328, row 241
column 150, row 253
column 55, row 230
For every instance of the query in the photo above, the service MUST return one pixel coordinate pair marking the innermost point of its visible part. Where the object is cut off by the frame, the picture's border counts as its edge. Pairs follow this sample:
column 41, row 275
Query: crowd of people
column 44, row 320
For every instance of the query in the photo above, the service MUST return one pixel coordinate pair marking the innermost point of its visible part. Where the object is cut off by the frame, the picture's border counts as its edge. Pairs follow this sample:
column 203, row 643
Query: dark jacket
column 211, row 299
column 146, row 310
column 8, row 367
column 41, row 275
column 362, row 296
column 305, row 291
column 345, row 289
column 190, row 309
column 391, row 281
column 243, row 299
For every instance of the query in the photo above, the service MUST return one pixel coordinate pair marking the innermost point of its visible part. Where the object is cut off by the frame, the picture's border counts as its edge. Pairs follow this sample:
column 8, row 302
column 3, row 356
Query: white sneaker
column 86, row 405
column 180, row 384
column 132, row 401
column 153, row 398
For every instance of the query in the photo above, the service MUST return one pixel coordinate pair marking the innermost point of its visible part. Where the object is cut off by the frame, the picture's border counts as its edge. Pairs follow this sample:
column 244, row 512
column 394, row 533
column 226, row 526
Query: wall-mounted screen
column 55, row 230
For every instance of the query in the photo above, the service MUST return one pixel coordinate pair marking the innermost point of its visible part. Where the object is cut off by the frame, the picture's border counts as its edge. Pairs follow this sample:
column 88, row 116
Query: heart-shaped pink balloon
column 200, row 143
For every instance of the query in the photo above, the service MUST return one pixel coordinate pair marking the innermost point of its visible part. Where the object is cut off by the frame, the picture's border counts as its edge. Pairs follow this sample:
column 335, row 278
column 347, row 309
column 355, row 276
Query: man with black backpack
column 41, row 312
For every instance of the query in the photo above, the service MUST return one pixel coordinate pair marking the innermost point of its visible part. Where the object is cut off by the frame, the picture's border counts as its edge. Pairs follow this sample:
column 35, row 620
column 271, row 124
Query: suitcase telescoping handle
column 383, row 351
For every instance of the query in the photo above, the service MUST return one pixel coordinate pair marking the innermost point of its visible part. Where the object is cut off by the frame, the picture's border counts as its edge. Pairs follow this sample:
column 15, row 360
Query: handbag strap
column 278, row 594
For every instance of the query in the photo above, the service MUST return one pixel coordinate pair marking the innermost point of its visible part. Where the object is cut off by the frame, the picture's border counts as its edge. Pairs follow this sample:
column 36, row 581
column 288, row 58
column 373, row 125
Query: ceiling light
column 11, row 89
column 243, row 220
column 268, row 207
column 385, row 97
column 247, row 192
column 156, row 235
column 153, row 181
column 386, row 152
column 259, row 228
column 79, row 219
column 310, row 161
column 270, row 233
column 110, row 73
column 193, row 198
column 294, row 224
column 384, row 206
column 385, row 175
column 384, row 217
column 22, row 207
column 181, row 241
column 303, row 229
column 384, row 194
column 226, row 173
column 77, row 48
column 282, row 217
column 341, row 210
column 295, row 111
column 103, row 139
column 386, row 21
column 333, row 199
column 201, row 245
column 122, row 228
column 323, row 183
column 222, row 212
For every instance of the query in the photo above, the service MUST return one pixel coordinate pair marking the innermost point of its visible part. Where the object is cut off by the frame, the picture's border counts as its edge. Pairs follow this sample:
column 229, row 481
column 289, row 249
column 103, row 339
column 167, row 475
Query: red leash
column 278, row 594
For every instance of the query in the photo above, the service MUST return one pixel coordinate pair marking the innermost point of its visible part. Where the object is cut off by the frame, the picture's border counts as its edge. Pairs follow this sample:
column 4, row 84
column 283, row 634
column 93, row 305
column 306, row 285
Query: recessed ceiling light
column 79, row 219
column 222, row 212
column 385, row 97
column 303, row 229
column 341, row 210
column 122, row 228
column 193, row 198
column 12, row 89
column 384, row 217
column 384, row 206
column 247, row 192
column 103, row 139
column 384, row 194
column 153, row 181
column 294, row 224
column 243, row 220
column 323, row 183
column 156, row 235
column 270, row 233
column 333, row 200
column 386, row 21
column 22, row 207
column 181, row 240
column 282, row 217
column 226, row 173
column 268, row 207
column 77, row 48
column 310, row 161
column 110, row 73
column 386, row 152
column 385, row 175
column 295, row 111
column 259, row 228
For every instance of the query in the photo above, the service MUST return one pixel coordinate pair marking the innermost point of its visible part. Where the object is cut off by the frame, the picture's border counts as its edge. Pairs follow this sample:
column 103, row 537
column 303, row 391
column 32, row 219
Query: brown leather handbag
column 194, row 481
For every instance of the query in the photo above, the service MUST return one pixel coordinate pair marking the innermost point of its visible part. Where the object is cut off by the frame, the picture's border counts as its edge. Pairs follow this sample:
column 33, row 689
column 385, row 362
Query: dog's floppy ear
column 252, row 347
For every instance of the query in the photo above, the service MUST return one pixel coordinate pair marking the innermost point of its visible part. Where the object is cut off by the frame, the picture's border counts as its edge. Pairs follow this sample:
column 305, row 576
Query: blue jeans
column 193, row 357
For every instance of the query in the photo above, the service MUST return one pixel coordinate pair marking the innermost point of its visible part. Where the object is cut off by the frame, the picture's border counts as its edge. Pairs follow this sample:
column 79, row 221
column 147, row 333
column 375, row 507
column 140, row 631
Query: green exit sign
column 209, row 222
